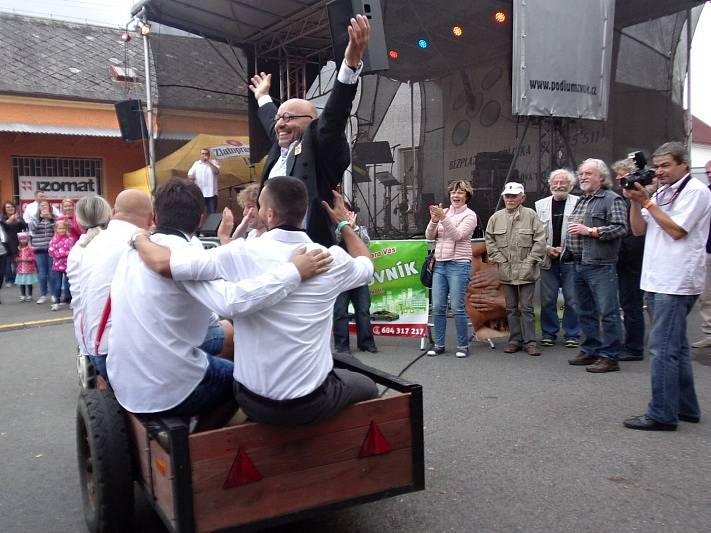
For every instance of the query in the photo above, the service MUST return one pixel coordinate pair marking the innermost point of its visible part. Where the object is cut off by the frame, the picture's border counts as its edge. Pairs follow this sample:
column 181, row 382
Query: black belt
column 283, row 403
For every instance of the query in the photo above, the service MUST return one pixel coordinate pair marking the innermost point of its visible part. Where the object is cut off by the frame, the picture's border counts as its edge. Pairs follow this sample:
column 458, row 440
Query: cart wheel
column 105, row 468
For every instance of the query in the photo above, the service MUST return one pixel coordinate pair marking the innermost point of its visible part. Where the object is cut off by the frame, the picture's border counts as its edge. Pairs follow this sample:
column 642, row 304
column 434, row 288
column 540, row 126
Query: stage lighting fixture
column 500, row 17
column 422, row 43
column 457, row 31
column 394, row 54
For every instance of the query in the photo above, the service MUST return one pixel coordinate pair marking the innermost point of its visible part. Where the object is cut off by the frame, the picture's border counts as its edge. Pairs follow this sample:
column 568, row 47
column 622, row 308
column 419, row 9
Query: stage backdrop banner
column 399, row 302
column 565, row 71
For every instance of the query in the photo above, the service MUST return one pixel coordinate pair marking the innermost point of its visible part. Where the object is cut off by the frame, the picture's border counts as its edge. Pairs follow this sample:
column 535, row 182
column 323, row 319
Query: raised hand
column 338, row 212
column 260, row 84
column 224, row 231
column 358, row 35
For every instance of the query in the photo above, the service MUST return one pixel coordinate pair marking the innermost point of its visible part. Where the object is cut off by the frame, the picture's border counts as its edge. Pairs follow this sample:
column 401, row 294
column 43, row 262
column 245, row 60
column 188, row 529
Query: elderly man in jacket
column 554, row 211
column 516, row 241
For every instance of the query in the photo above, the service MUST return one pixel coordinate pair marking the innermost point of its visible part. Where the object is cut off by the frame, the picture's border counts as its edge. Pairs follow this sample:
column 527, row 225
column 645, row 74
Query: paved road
column 513, row 443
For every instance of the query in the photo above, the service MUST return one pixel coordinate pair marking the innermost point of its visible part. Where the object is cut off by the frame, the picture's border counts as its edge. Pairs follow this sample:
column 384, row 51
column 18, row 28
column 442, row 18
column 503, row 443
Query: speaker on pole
column 132, row 123
column 340, row 13
column 210, row 225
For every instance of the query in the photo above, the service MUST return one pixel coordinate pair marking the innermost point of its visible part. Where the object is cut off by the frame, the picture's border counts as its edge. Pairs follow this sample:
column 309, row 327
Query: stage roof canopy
column 300, row 27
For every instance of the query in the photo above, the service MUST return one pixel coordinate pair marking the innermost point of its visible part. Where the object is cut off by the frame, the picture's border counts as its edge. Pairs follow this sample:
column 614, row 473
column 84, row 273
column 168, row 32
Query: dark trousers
column 211, row 204
column 360, row 296
column 340, row 389
column 632, row 302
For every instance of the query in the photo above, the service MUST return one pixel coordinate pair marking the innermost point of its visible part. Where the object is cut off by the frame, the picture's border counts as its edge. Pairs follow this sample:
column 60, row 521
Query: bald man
column 311, row 147
column 133, row 210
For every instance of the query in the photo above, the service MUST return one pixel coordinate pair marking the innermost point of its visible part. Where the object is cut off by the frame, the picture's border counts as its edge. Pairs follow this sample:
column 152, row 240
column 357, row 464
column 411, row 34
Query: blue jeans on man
column 673, row 392
column 598, row 305
column 44, row 268
column 559, row 276
column 450, row 280
column 211, row 204
column 360, row 297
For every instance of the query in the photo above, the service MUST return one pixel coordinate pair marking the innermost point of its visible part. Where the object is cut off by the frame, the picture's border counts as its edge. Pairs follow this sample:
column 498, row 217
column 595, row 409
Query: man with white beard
column 597, row 225
column 557, row 273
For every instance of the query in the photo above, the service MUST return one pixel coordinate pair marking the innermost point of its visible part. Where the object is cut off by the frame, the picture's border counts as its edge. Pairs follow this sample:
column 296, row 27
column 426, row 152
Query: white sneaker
column 54, row 307
column 21, row 298
column 41, row 299
column 28, row 298
column 462, row 352
column 703, row 343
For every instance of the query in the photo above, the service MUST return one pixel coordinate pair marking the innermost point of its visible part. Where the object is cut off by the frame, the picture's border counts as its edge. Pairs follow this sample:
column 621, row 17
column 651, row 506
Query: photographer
column 675, row 221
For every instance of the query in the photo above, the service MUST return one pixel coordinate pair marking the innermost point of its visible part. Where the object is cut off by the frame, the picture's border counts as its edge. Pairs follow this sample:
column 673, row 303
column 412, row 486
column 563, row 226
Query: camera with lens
column 641, row 174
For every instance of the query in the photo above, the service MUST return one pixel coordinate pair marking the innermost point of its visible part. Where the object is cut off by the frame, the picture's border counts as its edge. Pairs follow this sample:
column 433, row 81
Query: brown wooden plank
column 162, row 484
column 298, row 491
column 301, row 454
column 226, row 441
column 138, row 438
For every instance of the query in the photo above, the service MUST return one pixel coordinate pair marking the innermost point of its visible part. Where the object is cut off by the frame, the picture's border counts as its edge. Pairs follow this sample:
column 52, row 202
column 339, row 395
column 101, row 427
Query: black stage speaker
column 131, row 120
column 340, row 13
column 210, row 225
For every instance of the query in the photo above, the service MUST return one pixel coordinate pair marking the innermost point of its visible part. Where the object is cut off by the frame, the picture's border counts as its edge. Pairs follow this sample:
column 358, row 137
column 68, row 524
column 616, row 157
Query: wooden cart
column 248, row 476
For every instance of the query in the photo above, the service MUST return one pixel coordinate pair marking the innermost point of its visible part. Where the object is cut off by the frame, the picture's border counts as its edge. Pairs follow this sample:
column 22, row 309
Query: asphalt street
column 513, row 442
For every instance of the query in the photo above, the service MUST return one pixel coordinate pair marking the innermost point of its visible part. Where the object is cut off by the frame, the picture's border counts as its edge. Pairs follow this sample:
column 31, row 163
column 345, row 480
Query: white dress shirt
column 157, row 324
column 31, row 211
column 677, row 266
column 281, row 352
column 205, row 177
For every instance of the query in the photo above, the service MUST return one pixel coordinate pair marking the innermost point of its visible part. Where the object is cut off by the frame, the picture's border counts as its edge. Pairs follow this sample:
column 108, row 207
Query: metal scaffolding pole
column 149, row 102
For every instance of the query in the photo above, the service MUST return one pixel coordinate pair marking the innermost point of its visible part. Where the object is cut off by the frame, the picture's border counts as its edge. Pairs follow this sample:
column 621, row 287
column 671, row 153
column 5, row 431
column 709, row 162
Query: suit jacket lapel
column 291, row 159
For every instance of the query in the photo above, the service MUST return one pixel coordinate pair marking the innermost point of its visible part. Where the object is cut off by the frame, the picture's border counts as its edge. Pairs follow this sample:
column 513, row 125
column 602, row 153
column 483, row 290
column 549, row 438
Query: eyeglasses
column 288, row 117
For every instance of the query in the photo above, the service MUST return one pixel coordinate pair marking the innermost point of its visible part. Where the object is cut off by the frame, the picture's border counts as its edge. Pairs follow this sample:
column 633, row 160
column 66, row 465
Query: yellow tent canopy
column 231, row 152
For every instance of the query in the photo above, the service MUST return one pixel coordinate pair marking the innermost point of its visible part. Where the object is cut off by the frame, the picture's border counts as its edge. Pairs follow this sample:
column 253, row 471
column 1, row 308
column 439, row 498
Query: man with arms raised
column 285, row 373
column 310, row 147
column 154, row 363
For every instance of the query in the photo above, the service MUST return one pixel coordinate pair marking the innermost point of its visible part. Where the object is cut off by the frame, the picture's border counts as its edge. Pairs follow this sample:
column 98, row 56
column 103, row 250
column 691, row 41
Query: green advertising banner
column 399, row 301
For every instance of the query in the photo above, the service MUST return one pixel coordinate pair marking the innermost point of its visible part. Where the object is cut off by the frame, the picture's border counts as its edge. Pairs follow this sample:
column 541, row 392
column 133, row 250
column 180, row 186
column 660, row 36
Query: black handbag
column 427, row 270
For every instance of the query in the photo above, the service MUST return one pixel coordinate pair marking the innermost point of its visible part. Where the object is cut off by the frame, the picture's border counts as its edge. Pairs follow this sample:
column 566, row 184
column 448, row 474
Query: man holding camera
column 675, row 221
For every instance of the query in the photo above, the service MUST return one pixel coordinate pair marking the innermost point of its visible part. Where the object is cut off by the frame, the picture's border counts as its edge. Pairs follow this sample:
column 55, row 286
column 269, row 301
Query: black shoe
column 371, row 349
column 347, row 351
column 435, row 350
column 645, row 423
column 691, row 419
column 630, row 357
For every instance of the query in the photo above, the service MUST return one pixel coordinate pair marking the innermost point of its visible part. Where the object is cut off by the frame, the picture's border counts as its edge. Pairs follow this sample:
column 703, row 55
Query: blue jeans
column 214, row 339
column 559, row 276
column 211, row 204
column 673, row 390
column 450, row 279
column 59, row 282
column 632, row 303
column 598, row 305
column 214, row 390
column 44, row 268
column 360, row 296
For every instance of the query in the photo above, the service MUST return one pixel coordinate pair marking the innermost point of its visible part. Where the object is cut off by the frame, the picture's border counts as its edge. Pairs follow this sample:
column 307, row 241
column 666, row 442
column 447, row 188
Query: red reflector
column 374, row 443
column 242, row 472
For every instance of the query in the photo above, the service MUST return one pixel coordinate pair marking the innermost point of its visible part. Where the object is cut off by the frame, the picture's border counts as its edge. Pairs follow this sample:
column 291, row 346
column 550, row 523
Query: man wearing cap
column 516, row 241
column 598, row 223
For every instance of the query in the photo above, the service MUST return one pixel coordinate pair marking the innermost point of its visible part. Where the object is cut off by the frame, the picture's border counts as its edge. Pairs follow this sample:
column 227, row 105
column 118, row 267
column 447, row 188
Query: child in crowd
column 58, row 249
column 26, row 275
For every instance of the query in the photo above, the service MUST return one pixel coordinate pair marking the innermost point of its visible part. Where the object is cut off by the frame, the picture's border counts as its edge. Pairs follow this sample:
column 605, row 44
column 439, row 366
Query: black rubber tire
column 105, row 467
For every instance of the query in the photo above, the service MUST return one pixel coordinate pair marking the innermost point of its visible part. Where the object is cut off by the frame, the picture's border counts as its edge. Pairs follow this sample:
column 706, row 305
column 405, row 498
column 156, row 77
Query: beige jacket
column 517, row 243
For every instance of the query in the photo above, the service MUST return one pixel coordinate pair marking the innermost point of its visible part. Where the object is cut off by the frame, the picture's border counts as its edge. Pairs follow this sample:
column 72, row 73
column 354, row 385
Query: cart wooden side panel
column 302, row 467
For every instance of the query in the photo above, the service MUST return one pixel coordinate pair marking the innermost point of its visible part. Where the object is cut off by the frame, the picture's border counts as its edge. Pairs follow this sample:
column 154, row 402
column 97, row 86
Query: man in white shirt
column 204, row 173
column 675, row 221
column 310, row 147
column 154, row 363
column 93, row 274
column 285, row 374
column 31, row 209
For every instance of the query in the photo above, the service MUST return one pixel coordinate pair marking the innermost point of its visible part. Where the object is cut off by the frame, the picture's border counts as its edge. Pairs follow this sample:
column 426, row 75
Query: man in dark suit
column 311, row 147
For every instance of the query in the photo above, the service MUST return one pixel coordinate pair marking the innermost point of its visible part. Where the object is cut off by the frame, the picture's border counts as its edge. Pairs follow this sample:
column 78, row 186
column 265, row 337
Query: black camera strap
column 676, row 193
